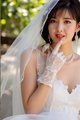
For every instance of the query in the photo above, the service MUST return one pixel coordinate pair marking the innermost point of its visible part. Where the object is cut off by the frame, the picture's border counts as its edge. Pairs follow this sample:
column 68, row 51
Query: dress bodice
column 59, row 98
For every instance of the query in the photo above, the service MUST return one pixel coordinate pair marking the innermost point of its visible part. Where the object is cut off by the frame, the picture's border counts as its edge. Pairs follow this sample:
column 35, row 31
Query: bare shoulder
column 28, row 62
column 29, row 53
column 32, row 55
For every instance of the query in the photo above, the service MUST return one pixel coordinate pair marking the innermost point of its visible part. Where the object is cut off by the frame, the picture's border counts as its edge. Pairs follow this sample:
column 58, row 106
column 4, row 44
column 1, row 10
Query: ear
column 78, row 27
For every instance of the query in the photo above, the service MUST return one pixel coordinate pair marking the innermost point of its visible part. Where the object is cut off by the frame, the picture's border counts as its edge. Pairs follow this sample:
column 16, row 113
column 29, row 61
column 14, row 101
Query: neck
column 67, row 48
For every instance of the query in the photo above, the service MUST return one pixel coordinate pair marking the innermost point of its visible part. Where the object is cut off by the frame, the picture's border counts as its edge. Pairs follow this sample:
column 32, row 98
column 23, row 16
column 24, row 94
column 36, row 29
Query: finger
column 56, row 49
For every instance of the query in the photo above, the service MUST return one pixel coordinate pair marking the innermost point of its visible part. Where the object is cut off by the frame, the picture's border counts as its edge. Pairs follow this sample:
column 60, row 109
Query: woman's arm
column 34, row 97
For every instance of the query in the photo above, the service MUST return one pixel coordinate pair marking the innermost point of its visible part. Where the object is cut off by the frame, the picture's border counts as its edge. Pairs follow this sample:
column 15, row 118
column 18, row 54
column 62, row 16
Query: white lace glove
column 54, row 63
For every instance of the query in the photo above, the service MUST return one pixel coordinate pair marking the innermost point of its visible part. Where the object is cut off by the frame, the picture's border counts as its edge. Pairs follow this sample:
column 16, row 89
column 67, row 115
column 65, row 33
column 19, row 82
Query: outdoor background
column 15, row 15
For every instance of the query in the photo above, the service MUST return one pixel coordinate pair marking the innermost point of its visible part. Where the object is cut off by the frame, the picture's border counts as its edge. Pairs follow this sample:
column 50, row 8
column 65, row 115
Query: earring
column 76, row 37
column 49, row 39
column 76, row 41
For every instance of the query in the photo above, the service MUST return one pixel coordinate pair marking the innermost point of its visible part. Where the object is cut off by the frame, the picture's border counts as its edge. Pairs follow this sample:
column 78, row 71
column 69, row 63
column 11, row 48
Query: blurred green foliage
column 16, row 14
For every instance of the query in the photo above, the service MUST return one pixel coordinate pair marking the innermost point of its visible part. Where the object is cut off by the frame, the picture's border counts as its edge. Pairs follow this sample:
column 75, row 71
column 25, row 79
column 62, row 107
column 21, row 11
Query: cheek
column 51, row 31
column 71, row 31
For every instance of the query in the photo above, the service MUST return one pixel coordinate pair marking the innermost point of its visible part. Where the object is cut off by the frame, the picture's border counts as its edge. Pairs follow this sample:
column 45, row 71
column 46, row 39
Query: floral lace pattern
column 53, row 63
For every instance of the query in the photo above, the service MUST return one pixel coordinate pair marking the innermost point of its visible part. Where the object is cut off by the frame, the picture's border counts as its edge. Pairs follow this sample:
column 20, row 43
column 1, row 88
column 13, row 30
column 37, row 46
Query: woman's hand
column 54, row 63
column 56, row 59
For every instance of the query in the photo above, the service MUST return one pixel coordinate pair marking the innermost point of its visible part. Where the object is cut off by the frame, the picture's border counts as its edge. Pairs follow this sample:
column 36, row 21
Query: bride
column 46, row 80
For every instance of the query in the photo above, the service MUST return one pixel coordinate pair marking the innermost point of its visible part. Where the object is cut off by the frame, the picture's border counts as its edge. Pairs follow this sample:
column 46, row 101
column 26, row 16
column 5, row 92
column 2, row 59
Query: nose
column 59, row 27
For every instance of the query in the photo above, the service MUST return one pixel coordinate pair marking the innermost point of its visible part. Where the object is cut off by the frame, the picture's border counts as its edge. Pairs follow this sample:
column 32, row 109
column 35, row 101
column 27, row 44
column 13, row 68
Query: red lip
column 59, row 36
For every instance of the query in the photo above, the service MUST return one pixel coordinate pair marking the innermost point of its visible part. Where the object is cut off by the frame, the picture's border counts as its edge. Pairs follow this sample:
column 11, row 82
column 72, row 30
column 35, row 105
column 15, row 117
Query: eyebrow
column 64, row 18
column 69, row 18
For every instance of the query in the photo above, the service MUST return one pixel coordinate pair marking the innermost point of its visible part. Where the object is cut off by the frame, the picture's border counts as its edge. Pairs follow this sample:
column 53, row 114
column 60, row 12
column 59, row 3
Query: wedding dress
column 61, row 104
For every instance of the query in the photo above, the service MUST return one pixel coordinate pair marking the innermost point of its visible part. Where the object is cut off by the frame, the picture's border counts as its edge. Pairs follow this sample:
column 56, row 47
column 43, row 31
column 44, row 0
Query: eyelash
column 52, row 21
column 67, row 22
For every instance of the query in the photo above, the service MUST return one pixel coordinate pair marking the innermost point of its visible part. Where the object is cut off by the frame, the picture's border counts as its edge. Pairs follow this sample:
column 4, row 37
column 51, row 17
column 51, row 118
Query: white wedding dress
column 61, row 104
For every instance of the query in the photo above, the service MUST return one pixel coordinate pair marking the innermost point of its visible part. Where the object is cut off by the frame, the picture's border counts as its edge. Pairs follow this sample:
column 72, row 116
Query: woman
column 50, row 79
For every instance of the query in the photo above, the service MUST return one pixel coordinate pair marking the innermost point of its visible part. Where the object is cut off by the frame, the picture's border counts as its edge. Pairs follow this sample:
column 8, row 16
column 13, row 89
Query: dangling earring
column 76, row 37
column 76, row 41
column 49, row 39
column 46, row 46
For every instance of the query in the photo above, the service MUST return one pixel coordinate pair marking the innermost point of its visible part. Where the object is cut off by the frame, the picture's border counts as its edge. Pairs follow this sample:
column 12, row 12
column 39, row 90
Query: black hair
column 73, row 6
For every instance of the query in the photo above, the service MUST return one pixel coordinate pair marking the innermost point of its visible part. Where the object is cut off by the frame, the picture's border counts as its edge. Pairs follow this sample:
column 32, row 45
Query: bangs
column 60, row 11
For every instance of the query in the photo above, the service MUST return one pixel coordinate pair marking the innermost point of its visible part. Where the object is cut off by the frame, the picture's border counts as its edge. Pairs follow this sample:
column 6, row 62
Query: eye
column 67, row 22
column 52, row 21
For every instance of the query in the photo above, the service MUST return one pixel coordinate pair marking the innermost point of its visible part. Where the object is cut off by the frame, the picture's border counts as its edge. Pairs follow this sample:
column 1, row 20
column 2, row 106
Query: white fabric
column 56, row 115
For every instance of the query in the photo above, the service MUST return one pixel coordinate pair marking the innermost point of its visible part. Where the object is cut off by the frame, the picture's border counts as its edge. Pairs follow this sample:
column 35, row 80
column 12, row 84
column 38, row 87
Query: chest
column 70, row 75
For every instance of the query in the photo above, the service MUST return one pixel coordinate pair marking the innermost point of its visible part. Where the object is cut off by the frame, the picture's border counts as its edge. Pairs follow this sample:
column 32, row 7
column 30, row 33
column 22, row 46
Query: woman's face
column 63, row 26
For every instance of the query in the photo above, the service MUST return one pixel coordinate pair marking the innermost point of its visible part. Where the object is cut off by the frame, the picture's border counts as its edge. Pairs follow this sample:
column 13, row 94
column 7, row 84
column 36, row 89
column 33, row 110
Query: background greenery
column 16, row 14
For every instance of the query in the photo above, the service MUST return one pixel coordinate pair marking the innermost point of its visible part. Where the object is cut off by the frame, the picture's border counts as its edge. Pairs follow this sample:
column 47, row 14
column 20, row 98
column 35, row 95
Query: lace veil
column 29, row 39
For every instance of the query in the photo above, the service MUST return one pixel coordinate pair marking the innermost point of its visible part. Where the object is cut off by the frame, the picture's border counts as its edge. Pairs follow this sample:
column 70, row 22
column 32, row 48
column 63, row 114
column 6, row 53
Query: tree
column 16, row 14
